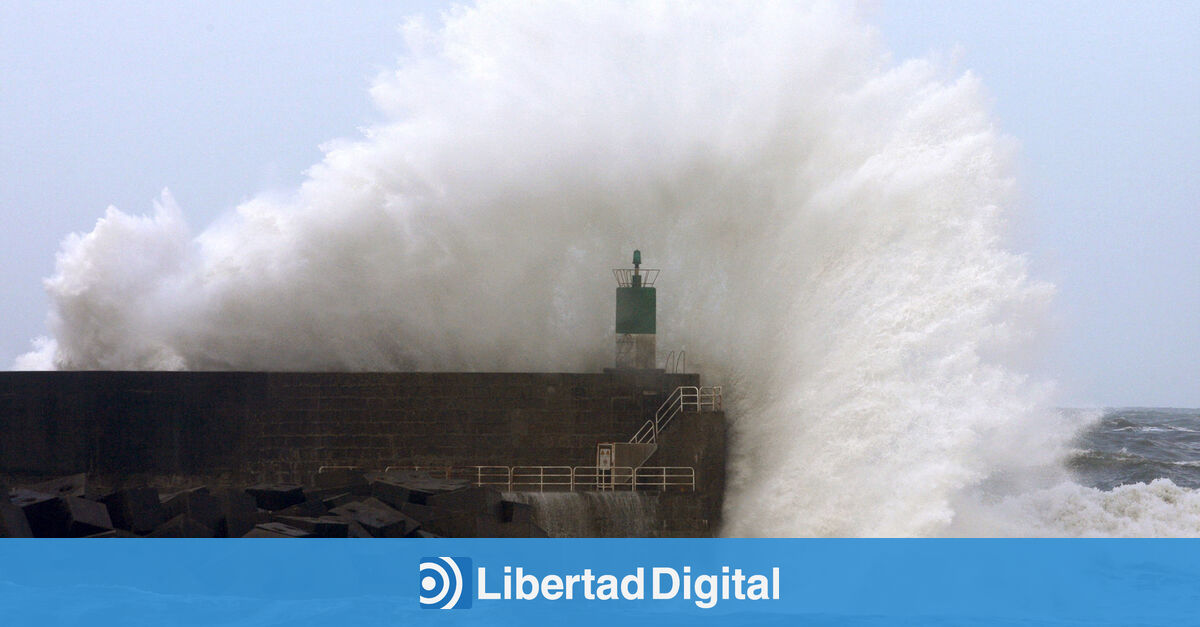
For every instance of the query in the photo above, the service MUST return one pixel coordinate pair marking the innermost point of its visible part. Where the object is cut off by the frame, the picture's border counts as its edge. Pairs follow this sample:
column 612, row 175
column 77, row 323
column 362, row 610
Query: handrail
column 444, row 471
column 322, row 469
column 648, row 434
column 491, row 475
column 662, row 477
column 541, row 476
column 676, row 362
column 644, row 435
column 568, row 478
column 683, row 398
column 624, row 276
column 602, row 479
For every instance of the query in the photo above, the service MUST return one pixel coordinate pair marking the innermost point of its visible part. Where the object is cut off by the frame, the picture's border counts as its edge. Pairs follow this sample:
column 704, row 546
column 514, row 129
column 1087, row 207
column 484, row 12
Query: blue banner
column 609, row 582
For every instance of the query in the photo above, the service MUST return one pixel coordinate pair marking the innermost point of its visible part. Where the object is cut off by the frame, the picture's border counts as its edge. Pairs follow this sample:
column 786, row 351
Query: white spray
column 829, row 224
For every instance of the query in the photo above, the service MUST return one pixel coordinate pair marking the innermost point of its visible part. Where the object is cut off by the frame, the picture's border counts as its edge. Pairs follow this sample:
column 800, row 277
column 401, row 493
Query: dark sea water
column 1139, row 445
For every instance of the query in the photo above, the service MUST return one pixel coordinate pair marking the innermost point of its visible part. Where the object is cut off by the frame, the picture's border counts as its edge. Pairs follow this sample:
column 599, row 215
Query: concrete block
column 181, row 526
column 326, row 493
column 391, row 493
column 479, row 500
column 514, row 512
column 238, row 511
column 114, row 533
column 67, row 517
column 310, row 507
column 276, row 530
column 276, row 496
column 488, row 526
column 421, row 533
column 13, row 523
column 164, row 497
column 355, row 530
column 135, row 509
column 452, row 524
column 233, row 499
column 23, row 498
column 339, row 500
column 421, row 513
column 201, row 506
column 519, row 530
column 477, row 525
column 377, row 518
column 319, row 526
column 70, row 485
column 420, row 489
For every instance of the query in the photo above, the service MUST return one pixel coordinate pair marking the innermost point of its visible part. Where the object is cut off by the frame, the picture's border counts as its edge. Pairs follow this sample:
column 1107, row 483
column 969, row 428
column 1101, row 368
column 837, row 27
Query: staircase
column 684, row 398
column 641, row 446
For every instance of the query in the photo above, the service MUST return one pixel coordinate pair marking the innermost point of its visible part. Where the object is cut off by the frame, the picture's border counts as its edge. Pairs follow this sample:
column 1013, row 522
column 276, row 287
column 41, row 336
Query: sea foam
column 830, row 223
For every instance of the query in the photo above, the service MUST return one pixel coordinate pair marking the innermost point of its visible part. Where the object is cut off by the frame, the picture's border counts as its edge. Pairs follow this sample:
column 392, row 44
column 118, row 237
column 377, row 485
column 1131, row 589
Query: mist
column 830, row 223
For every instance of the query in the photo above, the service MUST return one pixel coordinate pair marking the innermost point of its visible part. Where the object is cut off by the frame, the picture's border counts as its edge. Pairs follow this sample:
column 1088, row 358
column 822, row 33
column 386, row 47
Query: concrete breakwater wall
column 225, row 428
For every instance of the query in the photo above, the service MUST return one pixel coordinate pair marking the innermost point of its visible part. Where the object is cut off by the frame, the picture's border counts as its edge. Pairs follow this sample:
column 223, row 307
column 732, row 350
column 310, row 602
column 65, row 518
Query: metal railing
column 684, row 398
column 565, row 478
column 328, row 468
column 540, row 478
column 663, row 477
column 603, row 479
column 676, row 362
column 435, row 472
column 624, row 276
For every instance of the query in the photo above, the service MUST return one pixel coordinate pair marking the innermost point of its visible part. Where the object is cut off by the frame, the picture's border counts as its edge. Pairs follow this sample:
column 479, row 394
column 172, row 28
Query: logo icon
column 443, row 581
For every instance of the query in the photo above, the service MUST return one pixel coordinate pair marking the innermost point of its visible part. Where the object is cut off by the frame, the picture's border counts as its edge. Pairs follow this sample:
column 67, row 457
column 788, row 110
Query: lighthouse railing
column 624, row 276
column 676, row 362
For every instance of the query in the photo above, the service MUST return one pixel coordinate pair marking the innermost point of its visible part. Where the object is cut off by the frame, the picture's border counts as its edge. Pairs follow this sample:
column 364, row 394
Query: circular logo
column 441, row 582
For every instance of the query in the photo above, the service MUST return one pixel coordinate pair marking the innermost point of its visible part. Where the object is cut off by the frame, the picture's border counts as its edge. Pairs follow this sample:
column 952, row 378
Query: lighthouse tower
column 636, row 315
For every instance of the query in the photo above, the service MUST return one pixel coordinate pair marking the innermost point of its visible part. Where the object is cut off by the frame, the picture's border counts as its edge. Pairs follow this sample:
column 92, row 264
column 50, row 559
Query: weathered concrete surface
column 175, row 430
column 253, row 427
column 628, row 454
column 696, row 440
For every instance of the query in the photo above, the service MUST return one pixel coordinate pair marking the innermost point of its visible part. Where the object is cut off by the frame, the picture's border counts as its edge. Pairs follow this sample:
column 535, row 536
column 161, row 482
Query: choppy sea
column 1138, row 445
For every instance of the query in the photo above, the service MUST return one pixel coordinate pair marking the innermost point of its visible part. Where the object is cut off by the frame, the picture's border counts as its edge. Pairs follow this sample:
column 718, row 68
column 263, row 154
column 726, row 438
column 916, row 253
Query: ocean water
column 1139, row 445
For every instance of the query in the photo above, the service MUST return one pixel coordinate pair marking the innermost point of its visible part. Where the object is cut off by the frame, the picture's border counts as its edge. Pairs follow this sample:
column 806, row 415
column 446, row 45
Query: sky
column 219, row 101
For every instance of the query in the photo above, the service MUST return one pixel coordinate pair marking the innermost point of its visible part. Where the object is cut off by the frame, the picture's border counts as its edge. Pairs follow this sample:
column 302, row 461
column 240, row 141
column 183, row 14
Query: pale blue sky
column 221, row 100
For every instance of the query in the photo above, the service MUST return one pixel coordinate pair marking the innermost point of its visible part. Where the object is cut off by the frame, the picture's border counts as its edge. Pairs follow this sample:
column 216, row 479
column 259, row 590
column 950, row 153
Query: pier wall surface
column 174, row 429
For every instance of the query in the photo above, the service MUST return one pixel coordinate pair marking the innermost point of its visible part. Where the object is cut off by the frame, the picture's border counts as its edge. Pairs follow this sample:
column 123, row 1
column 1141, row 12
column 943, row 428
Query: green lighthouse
column 636, row 319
